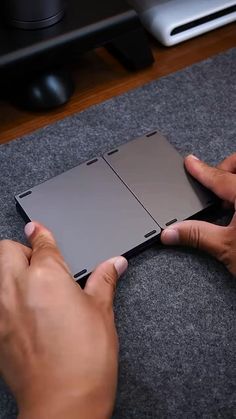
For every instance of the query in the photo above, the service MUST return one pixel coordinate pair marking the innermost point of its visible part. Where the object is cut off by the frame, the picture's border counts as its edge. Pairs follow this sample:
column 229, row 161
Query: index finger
column 222, row 183
column 44, row 246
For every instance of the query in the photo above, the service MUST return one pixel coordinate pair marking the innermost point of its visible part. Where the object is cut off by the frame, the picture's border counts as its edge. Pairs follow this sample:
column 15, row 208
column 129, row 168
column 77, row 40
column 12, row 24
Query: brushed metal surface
column 91, row 213
column 154, row 171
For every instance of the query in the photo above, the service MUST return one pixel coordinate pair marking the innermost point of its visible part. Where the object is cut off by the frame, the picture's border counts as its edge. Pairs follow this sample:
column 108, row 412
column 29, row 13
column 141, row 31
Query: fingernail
column 120, row 265
column 29, row 229
column 193, row 157
column 170, row 236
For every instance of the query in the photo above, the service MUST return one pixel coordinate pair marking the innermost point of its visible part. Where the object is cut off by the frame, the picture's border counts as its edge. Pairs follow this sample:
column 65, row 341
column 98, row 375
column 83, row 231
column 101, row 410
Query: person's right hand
column 218, row 241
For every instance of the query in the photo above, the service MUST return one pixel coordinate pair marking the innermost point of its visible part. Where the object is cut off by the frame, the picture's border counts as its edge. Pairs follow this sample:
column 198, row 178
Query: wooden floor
column 99, row 77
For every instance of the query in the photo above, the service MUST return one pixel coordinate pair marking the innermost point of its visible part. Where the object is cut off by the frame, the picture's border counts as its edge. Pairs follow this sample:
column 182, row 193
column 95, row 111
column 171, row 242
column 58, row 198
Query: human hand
column 218, row 241
column 58, row 343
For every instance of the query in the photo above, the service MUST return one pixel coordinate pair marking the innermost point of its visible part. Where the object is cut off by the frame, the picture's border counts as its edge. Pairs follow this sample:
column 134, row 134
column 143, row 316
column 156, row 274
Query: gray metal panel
column 155, row 173
column 92, row 214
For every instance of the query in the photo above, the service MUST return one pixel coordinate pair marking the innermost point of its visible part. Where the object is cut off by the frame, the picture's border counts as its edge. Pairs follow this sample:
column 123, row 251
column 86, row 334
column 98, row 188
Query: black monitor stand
column 32, row 62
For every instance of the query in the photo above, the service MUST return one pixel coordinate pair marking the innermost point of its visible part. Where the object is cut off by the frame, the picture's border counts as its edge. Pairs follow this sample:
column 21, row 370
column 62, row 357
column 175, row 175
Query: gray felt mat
column 175, row 308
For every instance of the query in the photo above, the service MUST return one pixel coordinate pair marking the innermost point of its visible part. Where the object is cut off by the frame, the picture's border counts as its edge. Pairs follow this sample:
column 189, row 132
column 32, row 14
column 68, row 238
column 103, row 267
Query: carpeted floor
column 175, row 308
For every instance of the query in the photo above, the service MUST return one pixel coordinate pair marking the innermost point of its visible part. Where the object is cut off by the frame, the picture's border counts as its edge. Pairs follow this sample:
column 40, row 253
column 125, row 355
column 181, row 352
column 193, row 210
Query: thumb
column 102, row 282
column 44, row 246
column 198, row 234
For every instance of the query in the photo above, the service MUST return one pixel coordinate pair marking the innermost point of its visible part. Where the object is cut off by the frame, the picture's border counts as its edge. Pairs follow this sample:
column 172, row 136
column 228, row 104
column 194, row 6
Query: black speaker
column 33, row 14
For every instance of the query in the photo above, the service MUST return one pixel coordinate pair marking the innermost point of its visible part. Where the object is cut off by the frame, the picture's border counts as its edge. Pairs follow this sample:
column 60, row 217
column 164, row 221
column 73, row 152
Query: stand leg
column 46, row 90
column 132, row 49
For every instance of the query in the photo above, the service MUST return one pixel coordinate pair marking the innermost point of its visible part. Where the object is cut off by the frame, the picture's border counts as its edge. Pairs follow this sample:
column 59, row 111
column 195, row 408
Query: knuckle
column 41, row 284
column 194, row 235
column 39, row 273
column 109, row 279
column 45, row 269
column 49, row 261
column 48, row 256
column 219, row 178
column 223, row 179
column 53, row 263
column 42, row 244
column 227, row 251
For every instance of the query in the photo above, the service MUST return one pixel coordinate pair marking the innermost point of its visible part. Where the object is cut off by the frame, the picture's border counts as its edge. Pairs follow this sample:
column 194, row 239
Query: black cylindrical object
column 34, row 14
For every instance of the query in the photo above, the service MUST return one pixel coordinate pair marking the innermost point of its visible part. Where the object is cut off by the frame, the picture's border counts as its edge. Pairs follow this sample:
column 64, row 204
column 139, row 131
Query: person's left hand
column 58, row 343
